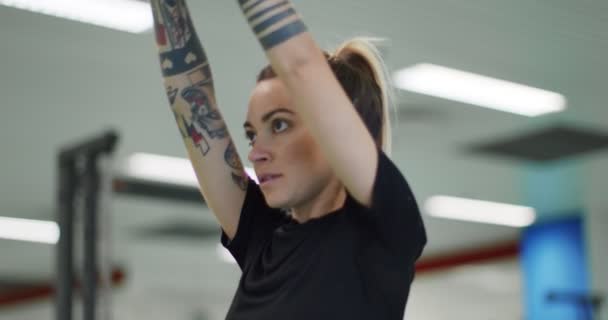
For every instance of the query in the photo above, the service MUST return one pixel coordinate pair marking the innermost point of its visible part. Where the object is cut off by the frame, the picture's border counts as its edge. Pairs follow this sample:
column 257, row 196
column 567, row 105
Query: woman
column 332, row 231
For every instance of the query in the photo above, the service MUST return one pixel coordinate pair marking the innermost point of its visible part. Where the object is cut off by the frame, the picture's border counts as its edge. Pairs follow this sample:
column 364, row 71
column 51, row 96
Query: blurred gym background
column 535, row 248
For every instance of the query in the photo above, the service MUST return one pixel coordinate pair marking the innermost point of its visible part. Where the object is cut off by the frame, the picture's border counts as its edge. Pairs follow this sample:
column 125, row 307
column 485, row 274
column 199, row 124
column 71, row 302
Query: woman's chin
column 274, row 200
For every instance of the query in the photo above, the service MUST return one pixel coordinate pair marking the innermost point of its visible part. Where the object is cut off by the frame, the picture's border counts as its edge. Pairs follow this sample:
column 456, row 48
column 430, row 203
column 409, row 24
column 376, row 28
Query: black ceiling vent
column 547, row 144
column 180, row 230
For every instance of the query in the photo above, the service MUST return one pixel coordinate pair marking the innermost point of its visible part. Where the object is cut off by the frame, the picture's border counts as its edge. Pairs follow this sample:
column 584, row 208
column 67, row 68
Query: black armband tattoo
column 273, row 21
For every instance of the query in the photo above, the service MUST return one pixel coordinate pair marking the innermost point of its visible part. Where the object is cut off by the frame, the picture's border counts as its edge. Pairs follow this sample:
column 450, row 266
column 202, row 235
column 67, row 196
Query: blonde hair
column 366, row 48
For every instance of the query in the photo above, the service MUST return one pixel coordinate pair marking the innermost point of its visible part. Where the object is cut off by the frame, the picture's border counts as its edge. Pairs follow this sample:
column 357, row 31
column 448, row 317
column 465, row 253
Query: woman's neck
column 331, row 198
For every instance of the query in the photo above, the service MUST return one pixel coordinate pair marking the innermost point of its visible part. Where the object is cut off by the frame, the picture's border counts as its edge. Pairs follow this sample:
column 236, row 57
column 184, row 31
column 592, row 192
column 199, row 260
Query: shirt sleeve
column 394, row 212
column 256, row 224
column 392, row 239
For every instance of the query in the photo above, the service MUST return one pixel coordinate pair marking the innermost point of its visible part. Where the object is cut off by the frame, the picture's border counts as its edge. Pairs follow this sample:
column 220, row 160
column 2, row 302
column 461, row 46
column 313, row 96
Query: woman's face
column 287, row 161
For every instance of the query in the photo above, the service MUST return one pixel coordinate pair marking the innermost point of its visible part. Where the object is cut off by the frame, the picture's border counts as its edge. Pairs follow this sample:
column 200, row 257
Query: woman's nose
column 258, row 154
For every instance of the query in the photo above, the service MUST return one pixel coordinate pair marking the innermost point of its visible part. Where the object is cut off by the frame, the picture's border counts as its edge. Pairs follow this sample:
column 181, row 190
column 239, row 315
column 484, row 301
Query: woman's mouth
column 267, row 179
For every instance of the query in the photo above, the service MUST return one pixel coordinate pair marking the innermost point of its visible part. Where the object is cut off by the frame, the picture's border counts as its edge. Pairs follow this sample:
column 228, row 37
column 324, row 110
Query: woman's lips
column 266, row 179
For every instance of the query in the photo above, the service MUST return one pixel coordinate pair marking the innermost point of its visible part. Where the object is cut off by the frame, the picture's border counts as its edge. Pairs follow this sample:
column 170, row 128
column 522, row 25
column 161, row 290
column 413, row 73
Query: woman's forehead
column 267, row 96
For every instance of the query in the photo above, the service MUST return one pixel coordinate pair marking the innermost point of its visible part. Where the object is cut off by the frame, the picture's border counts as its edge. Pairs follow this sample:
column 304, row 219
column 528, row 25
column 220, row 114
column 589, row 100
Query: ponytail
column 362, row 54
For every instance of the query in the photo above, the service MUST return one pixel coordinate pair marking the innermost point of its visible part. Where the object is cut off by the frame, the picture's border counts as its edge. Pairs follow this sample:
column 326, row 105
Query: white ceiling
column 61, row 80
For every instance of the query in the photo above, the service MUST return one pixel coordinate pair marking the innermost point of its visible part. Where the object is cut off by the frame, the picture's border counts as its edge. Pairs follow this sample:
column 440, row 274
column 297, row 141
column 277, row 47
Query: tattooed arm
column 189, row 86
column 319, row 98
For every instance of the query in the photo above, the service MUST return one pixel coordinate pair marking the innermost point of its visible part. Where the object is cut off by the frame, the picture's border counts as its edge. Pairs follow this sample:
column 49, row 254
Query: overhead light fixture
column 165, row 169
column 29, row 230
column 125, row 15
column 480, row 211
column 478, row 90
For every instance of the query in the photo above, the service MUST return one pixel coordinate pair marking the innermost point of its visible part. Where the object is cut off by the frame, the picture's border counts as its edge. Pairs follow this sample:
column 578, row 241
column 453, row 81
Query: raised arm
column 189, row 86
column 319, row 98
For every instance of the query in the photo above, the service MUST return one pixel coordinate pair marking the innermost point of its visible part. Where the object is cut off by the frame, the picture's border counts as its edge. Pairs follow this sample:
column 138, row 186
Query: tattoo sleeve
column 232, row 159
column 189, row 84
column 272, row 21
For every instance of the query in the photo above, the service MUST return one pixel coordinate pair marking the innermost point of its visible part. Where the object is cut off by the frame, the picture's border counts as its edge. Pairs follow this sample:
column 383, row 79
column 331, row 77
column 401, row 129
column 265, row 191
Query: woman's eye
column 251, row 137
column 279, row 125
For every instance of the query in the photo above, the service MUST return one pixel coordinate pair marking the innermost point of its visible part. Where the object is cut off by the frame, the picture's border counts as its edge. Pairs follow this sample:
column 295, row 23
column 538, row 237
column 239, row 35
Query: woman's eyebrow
column 269, row 115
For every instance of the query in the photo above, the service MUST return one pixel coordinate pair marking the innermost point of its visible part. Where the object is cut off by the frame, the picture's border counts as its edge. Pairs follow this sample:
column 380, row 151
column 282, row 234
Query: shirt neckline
column 293, row 224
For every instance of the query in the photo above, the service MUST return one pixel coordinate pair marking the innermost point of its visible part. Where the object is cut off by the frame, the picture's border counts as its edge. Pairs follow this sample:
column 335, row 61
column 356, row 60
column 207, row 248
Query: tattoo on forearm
column 181, row 125
column 200, row 119
column 204, row 116
column 181, row 54
column 240, row 180
column 196, row 135
column 172, row 94
column 179, row 47
column 232, row 159
column 273, row 21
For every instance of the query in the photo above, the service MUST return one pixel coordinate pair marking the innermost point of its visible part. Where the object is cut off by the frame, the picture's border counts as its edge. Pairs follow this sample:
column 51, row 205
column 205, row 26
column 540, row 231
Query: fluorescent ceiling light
column 480, row 211
column 171, row 170
column 165, row 169
column 29, row 230
column 478, row 90
column 125, row 15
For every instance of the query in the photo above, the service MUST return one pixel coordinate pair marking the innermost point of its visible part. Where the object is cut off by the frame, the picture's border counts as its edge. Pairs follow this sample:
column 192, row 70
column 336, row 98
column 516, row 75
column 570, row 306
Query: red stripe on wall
column 498, row 251
column 35, row 292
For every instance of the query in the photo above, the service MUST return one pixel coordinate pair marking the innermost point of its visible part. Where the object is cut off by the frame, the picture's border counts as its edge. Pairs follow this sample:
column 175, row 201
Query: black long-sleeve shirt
column 353, row 263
